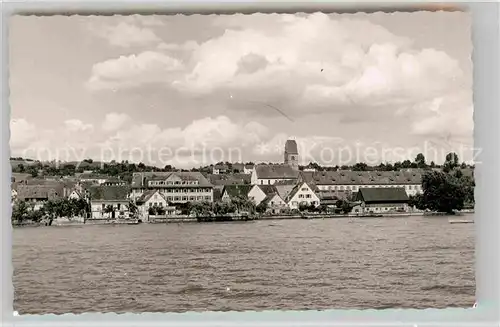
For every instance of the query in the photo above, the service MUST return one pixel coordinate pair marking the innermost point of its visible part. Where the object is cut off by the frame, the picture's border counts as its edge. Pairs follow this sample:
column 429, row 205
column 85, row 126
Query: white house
column 303, row 193
column 153, row 199
column 109, row 202
column 176, row 187
column 93, row 178
column 220, row 169
column 275, row 204
column 259, row 192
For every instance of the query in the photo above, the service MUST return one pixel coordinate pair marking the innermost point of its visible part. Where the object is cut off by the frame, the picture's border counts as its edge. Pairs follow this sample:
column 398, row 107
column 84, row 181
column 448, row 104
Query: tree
column 344, row 206
column 19, row 211
column 261, row 207
column 420, row 161
column 406, row 164
column 416, row 201
column 132, row 208
column 243, row 204
column 360, row 166
column 109, row 209
column 451, row 162
column 442, row 192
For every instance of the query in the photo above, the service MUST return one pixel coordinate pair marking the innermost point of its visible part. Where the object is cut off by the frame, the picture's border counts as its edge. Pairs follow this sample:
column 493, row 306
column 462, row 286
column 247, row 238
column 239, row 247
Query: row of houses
column 284, row 197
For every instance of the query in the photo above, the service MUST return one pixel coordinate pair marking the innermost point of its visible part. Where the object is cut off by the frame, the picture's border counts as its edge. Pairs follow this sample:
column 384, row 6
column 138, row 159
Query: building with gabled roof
column 109, row 201
column 235, row 191
column 302, row 194
column 352, row 181
column 381, row 200
column 270, row 174
column 176, row 187
column 258, row 193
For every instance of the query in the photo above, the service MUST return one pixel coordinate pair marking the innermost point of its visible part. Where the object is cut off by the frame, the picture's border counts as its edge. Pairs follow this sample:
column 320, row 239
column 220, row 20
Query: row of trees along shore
column 125, row 169
column 25, row 211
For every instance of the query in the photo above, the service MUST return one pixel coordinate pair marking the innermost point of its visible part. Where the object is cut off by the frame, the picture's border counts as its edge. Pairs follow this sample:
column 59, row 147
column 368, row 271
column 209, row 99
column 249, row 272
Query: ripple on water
column 294, row 265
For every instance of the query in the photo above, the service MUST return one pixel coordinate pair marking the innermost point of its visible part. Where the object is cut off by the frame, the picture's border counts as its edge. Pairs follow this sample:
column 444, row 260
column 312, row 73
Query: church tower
column 292, row 154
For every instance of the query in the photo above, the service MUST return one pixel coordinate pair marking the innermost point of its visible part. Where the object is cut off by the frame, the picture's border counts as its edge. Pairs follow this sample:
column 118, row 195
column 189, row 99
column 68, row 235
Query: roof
column 268, row 189
column 92, row 175
column 269, row 197
column 16, row 177
column 362, row 177
column 109, row 193
column 382, row 195
column 297, row 188
column 140, row 180
column 229, row 179
column 276, row 172
column 291, row 147
column 39, row 192
column 284, row 189
column 237, row 190
column 147, row 195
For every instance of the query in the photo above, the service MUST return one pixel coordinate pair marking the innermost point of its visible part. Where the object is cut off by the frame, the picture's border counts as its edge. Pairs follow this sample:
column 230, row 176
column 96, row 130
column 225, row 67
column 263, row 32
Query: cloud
column 449, row 117
column 126, row 34
column 290, row 60
column 76, row 125
column 22, row 133
column 114, row 121
column 128, row 71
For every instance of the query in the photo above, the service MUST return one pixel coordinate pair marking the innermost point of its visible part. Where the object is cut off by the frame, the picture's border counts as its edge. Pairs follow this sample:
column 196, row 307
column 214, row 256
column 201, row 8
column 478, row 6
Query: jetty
column 461, row 221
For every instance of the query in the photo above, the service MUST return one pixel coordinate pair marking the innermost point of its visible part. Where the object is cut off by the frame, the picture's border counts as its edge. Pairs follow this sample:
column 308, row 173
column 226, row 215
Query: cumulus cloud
column 22, row 133
column 114, row 121
column 126, row 71
column 76, row 125
column 126, row 34
column 291, row 59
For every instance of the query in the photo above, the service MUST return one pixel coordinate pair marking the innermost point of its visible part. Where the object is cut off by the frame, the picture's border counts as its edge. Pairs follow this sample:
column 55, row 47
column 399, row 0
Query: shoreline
column 184, row 219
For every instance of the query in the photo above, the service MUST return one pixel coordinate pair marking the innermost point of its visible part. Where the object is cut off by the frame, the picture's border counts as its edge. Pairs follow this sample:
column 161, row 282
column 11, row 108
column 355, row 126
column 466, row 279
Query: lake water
column 412, row 262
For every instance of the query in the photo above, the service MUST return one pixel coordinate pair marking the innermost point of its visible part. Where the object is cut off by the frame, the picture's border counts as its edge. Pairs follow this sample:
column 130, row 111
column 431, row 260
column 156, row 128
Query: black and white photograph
column 241, row 162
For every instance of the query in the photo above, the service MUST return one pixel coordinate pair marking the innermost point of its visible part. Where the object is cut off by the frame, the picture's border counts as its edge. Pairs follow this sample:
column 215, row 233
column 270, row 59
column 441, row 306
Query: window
column 308, row 196
column 304, row 189
column 301, row 195
column 272, row 203
column 184, row 198
column 118, row 206
column 192, row 198
column 207, row 198
column 150, row 204
column 261, row 182
column 177, row 198
column 103, row 206
column 268, row 182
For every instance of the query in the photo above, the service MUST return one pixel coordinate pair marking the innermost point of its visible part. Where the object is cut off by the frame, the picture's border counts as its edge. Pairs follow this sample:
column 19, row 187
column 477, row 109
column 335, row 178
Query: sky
column 194, row 90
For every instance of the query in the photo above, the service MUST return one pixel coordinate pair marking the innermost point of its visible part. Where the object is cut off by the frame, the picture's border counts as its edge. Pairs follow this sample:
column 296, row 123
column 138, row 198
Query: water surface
column 413, row 262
